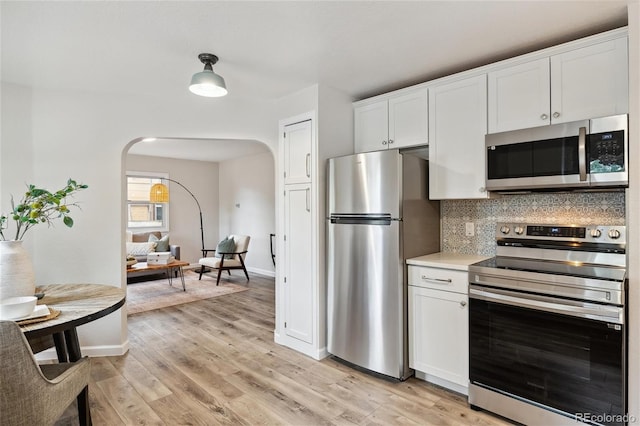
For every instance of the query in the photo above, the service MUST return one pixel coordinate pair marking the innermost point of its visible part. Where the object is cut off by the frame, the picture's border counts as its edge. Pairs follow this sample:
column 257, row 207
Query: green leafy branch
column 40, row 206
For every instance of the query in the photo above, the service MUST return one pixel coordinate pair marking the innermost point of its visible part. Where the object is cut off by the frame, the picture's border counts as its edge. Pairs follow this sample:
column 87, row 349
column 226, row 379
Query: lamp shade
column 159, row 193
column 208, row 83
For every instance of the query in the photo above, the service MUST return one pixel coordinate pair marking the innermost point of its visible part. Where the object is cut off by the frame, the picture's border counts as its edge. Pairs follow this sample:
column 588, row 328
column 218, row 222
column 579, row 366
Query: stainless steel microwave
column 577, row 155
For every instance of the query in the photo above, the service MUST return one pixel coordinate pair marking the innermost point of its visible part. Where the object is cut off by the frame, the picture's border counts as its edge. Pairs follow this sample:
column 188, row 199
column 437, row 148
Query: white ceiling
column 270, row 49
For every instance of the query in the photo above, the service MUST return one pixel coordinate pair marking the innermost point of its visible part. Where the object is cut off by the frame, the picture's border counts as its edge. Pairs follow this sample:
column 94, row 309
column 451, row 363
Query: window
column 141, row 212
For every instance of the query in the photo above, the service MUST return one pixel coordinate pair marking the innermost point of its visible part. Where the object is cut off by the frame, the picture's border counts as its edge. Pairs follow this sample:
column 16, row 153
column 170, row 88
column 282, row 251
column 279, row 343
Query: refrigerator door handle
column 307, row 200
column 361, row 220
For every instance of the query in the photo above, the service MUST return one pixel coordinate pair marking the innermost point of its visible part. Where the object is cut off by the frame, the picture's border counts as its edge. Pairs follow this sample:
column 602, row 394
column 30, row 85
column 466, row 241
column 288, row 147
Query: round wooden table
column 78, row 304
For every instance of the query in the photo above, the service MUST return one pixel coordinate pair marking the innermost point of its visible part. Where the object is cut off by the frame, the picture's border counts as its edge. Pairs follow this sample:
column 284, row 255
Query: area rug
column 149, row 295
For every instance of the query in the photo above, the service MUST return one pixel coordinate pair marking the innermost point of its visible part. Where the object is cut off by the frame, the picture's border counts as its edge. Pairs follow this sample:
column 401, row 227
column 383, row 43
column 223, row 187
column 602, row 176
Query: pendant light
column 208, row 83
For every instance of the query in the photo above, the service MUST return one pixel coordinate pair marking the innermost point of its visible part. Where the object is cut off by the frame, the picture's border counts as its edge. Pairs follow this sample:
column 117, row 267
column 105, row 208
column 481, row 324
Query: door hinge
column 284, row 135
column 285, row 279
column 285, row 324
column 285, row 174
column 285, row 237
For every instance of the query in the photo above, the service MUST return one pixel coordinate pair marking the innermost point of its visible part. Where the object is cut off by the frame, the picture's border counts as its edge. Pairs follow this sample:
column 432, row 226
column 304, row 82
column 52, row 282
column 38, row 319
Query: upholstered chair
column 31, row 394
column 222, row 263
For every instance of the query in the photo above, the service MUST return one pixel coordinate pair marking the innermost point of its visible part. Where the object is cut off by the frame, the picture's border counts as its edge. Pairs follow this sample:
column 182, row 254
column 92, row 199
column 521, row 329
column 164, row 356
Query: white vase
column 16, row 270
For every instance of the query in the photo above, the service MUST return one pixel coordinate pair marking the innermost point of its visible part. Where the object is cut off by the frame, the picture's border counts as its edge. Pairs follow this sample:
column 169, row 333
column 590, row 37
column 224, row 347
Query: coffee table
column 168, row 268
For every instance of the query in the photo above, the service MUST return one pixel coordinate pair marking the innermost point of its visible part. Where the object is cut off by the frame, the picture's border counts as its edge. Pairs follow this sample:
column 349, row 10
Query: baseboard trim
column 302, row 347
column 90, row 351
column 260, row 271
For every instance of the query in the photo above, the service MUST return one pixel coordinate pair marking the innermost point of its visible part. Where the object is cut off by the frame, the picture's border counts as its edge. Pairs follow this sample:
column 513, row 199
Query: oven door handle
column 612, row 314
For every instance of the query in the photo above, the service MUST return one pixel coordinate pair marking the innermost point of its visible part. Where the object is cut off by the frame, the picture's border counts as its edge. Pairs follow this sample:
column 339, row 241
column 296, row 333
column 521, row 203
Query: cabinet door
column 298, row 278
column 590, row 82
column 408, row 120
column 439, row 334
column 371, row 127
column 297, row 152
column 457, row 126
column 519, row 96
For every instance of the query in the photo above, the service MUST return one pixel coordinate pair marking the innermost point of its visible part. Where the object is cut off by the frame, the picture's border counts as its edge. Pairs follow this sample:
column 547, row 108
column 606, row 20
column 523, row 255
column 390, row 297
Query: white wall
column 17, row 147
column 201, row 178
column 247, row 206
column 55, row 135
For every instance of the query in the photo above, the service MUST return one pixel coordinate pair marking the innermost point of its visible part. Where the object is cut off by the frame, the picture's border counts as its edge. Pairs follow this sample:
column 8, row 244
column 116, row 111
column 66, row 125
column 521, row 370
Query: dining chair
column 222, row 263
column 32, row 394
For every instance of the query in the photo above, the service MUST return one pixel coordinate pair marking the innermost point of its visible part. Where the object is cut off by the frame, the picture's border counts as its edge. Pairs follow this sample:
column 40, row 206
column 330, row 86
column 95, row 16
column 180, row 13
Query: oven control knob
column 518, row 230
column 614, row 234
column 596, row 233
column 504, row 229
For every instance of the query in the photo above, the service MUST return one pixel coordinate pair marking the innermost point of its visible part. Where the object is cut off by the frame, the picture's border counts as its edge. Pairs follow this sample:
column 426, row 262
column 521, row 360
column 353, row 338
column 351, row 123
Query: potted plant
column 37, row 206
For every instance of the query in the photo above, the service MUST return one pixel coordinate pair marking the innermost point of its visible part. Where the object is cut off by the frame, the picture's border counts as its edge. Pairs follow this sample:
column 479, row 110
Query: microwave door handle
column 582, row 153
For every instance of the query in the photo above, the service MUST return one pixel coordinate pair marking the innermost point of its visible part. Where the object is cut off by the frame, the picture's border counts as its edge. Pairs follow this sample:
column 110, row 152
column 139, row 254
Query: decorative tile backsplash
column 602, row 208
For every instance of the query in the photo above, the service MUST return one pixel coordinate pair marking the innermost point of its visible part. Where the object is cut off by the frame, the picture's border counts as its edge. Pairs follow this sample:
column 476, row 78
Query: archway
column 232, row 180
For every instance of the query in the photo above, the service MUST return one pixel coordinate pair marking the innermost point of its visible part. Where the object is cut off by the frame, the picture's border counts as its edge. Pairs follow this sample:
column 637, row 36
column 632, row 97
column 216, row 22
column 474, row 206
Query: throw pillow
column 140, row 249
column 226, row 246
column 162, row 244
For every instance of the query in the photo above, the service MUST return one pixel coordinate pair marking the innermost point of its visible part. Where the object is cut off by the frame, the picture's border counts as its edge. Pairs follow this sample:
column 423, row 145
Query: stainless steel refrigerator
column 379, row 215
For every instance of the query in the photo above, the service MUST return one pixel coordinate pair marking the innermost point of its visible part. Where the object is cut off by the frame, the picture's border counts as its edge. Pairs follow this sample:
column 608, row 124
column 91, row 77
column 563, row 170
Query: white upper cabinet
column 583, row 83
column 297, row 142
column 408, row 120
column 397, row 122
column 519, row 96
column 590, row 82
column 371, row 126
column 457, row 126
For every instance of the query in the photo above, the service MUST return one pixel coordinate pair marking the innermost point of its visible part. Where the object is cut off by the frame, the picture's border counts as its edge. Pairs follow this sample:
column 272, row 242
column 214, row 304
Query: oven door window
column 571, row 364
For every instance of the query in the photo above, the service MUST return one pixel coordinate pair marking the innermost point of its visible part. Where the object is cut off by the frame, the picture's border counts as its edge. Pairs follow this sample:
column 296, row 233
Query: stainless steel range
column 547, row 335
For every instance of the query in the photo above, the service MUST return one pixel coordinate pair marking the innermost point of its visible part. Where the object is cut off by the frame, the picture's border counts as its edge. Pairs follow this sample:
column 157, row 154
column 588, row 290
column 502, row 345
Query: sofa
column 139, row 244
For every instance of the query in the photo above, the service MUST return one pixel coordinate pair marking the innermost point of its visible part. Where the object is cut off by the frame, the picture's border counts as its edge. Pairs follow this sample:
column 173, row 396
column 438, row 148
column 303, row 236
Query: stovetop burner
column 578, row 262
column 576, row 269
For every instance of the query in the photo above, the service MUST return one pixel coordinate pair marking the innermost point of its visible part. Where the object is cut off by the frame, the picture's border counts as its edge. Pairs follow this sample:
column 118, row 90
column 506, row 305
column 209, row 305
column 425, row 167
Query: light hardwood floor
column 214, row 362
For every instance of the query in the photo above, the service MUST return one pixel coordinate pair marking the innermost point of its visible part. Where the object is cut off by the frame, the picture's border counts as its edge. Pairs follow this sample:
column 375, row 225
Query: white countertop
column 455, row 261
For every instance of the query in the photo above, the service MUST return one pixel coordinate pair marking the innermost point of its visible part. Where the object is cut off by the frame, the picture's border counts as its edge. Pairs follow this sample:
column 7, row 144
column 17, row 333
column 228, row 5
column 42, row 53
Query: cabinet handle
column 556, row 114
column 384, row 142
column 308, row 165
column 439, row 280
column 308, row 207
column 463, row 303
column 390, row 141
column 544, row 117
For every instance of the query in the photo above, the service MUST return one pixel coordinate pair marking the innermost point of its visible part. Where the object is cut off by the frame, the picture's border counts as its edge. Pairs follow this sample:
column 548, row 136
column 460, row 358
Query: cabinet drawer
column 439, row 279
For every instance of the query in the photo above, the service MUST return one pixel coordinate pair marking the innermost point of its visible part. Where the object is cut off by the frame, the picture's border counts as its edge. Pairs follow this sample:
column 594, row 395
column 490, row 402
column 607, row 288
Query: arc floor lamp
column 159, row 193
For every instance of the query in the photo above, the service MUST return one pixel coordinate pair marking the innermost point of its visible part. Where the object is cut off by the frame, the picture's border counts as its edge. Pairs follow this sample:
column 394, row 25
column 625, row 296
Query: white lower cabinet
column 298, row 282
column 439, row 328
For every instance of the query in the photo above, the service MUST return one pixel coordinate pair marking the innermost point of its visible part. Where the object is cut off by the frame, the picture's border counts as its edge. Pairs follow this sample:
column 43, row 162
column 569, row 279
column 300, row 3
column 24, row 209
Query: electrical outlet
column 468, row 229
